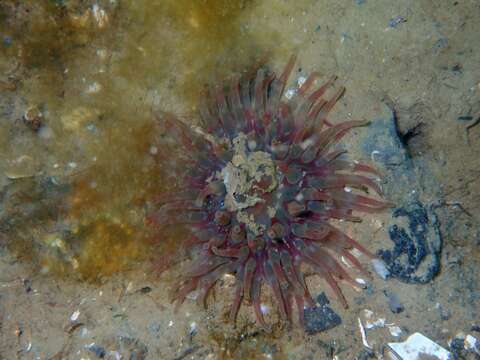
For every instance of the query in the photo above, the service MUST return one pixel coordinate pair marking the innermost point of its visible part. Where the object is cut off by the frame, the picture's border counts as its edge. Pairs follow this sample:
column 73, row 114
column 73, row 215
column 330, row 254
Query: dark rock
column 445, row 314
column 322, row 299
column 99, row 351
column 365, row 355
column 320, row 318
column 145, row 290
column 457, row 347
column 415, row 258
column 27, row 284
column 359, row 300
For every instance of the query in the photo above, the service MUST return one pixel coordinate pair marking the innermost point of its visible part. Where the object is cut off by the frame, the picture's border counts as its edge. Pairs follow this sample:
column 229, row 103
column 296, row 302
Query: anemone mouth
column 262, row 186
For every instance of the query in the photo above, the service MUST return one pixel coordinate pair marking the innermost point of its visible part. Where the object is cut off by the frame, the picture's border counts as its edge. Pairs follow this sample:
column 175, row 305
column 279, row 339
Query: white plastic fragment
column 380, row 268
column 472, row 343
column 360, row 281
column 289, row 93
column 379, row 323
column 193, row 327
column 374, row 152
column 416, row 347
column 371, row 323
column 170, row 323
column 368, row 313
column 347, row 264
column 99, row 15
column 301, row 80
column 356, row 253
column 264, row 309
column 114, row 355
column 395, row 330
column 75, row 315
column 363, row 334
column 93, row 88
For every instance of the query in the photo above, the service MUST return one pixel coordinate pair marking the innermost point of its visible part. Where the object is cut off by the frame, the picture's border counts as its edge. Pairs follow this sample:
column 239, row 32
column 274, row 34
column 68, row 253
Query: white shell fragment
column 363, row 334
column 395, row 330
column 361, row 281
column 75, row 315
column 416, row 347
column 380, row 268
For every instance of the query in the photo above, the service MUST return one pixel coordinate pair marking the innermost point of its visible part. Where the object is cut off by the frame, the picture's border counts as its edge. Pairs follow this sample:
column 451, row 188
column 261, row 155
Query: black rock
column 366, row 354
column 99, row 351
column 415, row 257
column 322, row 299
column 320, row 318
column 457, row 344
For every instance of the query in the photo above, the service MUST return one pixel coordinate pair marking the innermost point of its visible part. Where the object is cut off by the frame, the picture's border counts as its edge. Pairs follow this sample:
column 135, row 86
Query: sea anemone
column 262, row 185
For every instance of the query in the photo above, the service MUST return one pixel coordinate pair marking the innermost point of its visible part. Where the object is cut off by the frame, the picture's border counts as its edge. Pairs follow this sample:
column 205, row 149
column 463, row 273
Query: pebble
column 394, row 303
column 380, row 268
column 154, row 327
column 396, row 20
column 99, row 351
column 445, row 314
column 321, row 318
column 322, row 299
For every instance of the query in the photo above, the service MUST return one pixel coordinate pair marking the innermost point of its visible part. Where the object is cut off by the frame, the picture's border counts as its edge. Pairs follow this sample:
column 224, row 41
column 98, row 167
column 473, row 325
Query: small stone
column 457, row 344
column 99, row 351
column 394, row 303
column 366, row 354
column 381, row 268
column 322, row 299
column 396, row 20
column 320, row 318
column 475, row 328
column 154, row 327
column 445, row 314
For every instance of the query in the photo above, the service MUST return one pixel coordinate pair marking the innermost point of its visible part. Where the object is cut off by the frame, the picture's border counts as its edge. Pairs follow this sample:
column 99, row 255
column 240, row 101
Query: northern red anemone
column 262, row 185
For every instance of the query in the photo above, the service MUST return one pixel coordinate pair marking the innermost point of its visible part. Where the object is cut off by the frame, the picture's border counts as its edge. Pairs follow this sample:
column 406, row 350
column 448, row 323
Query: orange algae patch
column 81, row 209
column 106, row 205
column 108, row 248
column 189, row 42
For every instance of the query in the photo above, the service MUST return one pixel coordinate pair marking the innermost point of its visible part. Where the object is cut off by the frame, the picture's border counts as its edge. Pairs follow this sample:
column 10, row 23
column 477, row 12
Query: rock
column 99, row 351
column 394, row 303
column 321, row 318
column 381, row 268
column 322, row 299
